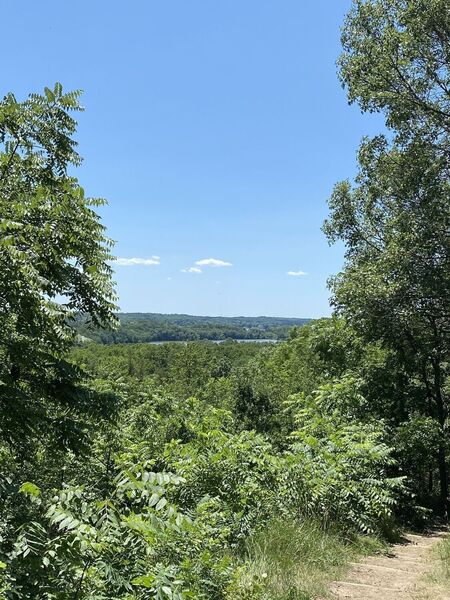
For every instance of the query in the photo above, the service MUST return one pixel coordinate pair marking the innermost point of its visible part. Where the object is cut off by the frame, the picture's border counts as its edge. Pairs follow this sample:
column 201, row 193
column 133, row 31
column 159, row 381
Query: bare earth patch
column 400, row 574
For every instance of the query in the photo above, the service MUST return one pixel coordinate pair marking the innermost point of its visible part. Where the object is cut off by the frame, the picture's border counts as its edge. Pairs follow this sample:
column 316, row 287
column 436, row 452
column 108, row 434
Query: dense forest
column 231, row 471
column 154, row 327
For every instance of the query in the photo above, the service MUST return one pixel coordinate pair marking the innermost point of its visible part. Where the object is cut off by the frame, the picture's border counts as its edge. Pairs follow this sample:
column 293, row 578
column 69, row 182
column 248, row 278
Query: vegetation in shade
column 137, row 472
column 153, row 327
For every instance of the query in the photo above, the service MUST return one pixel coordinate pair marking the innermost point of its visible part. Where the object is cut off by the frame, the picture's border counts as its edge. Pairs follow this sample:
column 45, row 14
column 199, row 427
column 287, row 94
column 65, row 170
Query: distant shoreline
column 204, row 340
column 160, row 328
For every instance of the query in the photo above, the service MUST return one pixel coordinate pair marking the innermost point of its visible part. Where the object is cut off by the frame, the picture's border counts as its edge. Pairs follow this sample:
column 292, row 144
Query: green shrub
column 338, row 468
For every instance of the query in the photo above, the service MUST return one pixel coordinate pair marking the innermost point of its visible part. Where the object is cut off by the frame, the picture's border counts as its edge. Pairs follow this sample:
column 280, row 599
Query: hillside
column 156, row 327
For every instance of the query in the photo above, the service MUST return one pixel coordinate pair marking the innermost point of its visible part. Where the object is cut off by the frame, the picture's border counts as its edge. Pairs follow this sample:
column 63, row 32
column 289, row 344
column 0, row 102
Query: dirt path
column 398, row 575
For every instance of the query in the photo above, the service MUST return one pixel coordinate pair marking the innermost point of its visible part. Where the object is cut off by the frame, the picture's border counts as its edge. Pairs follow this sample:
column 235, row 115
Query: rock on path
column 397, row 575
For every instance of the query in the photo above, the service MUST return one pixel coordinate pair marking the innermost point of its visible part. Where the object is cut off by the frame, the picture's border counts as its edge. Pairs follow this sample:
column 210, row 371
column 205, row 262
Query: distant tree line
column 154, row 327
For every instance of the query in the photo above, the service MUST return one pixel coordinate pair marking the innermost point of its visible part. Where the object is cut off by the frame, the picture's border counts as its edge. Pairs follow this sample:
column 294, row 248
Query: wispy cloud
column 212, row 262
column 296, row 273
column 191, row 270
column 129, row 262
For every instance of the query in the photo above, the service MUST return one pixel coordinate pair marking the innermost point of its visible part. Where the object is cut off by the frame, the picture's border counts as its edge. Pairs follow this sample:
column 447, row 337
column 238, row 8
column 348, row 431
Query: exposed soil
column 398, row 575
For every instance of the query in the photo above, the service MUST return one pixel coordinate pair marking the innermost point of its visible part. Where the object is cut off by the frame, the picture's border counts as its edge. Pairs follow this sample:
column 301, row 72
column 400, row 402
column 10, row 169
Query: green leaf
column 30, row 489
column 144, row 580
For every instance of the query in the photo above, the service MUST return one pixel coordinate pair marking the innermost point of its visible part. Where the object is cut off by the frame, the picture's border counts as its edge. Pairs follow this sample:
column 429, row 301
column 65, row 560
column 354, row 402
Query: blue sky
column 215, row 130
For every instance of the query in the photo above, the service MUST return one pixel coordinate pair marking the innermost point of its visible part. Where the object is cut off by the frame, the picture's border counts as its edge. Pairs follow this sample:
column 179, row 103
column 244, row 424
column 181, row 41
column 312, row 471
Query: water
column 239, row 341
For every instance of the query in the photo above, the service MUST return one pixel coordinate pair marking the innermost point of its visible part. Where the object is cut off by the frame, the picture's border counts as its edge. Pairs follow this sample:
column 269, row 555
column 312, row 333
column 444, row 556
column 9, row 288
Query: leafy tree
column 53, row 262
column 395, row 220
column 396, row 283
column 396, row 59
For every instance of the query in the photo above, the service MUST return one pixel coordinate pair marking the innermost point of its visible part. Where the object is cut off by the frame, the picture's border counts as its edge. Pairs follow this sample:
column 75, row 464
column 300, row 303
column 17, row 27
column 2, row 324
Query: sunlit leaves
column 53, row 257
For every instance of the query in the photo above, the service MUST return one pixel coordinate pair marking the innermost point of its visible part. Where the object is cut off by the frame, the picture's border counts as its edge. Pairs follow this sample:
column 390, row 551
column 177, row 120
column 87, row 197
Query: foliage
column 97, row 549
column 341, row 465
column 171, row 490
column 394, row 219
column 396, row 60
column 51, row 245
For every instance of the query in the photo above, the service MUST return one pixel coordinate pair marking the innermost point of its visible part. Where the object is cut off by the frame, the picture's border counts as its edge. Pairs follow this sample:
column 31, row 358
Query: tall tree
column 53, row 262
column 396, row 59
column 395, row 219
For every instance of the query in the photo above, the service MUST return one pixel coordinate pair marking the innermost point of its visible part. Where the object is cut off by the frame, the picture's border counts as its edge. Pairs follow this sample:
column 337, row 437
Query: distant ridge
column 159, row 327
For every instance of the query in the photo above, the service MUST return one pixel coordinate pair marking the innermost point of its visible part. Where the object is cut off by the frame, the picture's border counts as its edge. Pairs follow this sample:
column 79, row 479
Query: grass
column 435, row 584
column 440, row 574
column 297, row 560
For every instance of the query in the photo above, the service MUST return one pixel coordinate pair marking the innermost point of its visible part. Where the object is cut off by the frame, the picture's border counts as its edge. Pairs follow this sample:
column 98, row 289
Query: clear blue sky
column 214, row 130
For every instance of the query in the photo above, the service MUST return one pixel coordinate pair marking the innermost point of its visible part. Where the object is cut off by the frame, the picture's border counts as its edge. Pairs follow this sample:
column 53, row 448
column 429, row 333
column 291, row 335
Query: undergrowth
column 296, row 560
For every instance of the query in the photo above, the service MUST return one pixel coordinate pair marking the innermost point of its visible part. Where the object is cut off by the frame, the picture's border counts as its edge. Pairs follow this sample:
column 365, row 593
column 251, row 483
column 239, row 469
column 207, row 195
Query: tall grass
column 441, row 572
column 297, row 560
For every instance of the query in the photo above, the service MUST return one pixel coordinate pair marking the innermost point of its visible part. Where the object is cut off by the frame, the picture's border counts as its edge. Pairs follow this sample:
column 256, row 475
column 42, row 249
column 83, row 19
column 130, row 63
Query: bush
column 339, row 470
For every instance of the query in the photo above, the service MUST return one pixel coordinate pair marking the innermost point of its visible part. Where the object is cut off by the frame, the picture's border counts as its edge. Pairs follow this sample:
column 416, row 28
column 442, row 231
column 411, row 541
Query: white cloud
column 296, row 273
column 212, row 262
column 129, row 262
column 191, row 270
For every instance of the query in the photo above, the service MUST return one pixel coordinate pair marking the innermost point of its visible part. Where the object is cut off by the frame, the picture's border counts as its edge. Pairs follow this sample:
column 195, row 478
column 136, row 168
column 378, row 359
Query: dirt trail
column 398, row 575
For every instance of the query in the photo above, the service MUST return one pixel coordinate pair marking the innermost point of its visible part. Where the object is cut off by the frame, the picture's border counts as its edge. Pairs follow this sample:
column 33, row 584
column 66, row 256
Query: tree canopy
column 396, row 59
column 395, row 218
column 53, row 258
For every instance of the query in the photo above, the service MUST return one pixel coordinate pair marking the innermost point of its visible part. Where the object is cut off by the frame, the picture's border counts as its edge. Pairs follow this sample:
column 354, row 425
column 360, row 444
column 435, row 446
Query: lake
column 239, row 341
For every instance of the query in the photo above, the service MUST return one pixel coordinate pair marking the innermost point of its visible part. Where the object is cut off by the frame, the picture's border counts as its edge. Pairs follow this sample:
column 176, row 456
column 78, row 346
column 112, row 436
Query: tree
column 395, row 220
column 53, row 262
column 396, row 283
column 396, row 59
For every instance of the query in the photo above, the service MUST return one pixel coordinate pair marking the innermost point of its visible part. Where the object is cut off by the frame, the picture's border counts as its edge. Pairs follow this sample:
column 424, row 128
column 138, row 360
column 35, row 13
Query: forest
column 132, row 471
column 153, row 327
